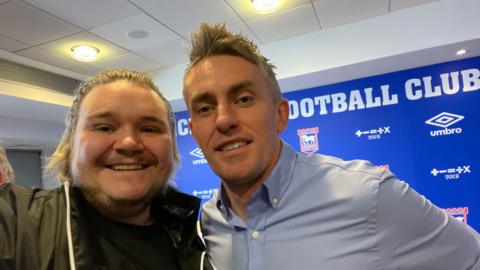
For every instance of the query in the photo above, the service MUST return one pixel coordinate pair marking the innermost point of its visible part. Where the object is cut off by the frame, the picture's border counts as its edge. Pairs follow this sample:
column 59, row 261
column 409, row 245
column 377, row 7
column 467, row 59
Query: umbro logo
column 197, row 152
column 444, row 120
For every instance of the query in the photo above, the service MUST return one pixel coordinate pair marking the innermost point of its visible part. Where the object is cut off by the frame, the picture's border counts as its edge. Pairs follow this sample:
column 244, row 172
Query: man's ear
column 190, row 125
column 282, row 114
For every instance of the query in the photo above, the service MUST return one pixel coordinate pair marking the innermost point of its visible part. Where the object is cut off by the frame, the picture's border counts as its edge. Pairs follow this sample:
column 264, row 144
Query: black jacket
column 33, row 230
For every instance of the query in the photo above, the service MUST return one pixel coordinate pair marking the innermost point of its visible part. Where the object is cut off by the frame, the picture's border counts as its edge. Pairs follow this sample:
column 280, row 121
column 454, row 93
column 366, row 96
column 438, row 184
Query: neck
column 239, row 196
column 130, row 212
column 128, row 215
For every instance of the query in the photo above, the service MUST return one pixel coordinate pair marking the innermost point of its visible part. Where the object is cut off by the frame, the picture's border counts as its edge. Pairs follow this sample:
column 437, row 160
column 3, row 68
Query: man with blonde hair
column 115, row 209
column 278, row 209
column 6, row 171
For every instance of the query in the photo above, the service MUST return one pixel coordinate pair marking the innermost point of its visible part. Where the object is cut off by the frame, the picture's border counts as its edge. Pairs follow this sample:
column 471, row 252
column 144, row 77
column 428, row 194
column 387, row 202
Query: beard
column 116, row 209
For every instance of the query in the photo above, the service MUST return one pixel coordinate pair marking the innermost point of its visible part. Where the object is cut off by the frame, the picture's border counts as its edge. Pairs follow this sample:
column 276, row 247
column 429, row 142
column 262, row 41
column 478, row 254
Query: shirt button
column 274, row 201
column 255, row 234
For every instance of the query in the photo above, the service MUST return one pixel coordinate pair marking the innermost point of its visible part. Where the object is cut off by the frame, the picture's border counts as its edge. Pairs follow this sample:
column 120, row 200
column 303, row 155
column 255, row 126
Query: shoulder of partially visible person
column 23, row 215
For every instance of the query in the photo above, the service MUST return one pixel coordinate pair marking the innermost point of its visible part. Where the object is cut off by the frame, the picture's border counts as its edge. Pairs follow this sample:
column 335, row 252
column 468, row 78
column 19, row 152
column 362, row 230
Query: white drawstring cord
column 66, row 187
column 202, row 260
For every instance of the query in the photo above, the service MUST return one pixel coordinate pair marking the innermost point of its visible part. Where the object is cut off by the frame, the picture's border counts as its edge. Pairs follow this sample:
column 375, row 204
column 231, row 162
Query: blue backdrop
column 422, row 124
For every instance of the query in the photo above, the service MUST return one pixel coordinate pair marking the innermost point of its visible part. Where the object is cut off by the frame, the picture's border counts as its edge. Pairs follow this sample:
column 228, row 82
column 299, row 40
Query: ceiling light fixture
column 265, row 6
column 85, row 53
column 461, row 52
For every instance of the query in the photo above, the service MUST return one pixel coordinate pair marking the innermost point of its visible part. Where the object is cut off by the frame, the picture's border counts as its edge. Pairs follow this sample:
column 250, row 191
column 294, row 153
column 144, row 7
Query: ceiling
column 312, row 42
column 45, row 30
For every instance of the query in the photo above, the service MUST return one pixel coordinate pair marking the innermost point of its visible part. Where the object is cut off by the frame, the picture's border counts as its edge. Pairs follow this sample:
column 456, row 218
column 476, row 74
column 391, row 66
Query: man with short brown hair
column 281, row 210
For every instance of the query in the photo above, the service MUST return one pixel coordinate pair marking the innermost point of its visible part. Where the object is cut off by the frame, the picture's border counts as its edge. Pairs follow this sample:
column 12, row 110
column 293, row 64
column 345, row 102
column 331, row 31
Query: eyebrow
column 106, row 115
column 232, row 91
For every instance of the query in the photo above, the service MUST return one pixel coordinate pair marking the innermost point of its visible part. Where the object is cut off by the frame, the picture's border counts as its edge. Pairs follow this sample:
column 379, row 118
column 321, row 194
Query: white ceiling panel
column 48, row 57
column 126, row 61
column 63, row 46
column 401, row 4
column 245, row 10
column 85, row 69
column 3, row 1
column 147, row 4
column 11, row 45
column 292, row 22
column 117, row 32
column 29, row 25
column 242, row 28
column 87, row 13
column 166, row 54
column 183, row 16
column 337, row 12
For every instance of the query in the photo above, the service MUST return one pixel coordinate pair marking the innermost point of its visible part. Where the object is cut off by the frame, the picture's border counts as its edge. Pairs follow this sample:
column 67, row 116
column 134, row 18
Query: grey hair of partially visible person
column 215, row 39
column 59, row 163
column 6, row 171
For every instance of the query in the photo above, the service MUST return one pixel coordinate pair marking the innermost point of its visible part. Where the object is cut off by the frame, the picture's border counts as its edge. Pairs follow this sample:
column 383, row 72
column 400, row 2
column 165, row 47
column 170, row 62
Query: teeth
column 132, row 167
column 234, row 145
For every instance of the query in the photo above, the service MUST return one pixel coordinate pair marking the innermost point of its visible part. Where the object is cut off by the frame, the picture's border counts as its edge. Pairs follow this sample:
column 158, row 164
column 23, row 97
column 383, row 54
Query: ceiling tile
column 241, row 28
column 170, row 53
column 27, row 24
column 401, row 4
column 337, row 12
column 245, row 10
column 63, row 46
column 85, row 69
column 87, row 13
column 11, row 45
column 126, row 61
column 117, row 32
column 183, row 16
column 48, row 57
column 292, row 22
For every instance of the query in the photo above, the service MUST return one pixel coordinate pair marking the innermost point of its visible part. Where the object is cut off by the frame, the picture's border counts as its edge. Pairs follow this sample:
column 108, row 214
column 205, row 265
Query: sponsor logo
column 451, row 173
column 444, row 120
column 205, row 193
column 373, row 134
column 308, row 140
column 197, row 152
column 459, row 213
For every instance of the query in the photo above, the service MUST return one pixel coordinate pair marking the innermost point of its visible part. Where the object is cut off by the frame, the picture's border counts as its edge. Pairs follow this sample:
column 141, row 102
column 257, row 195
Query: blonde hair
column 215, row 39
column 6, row 171
column 59, row 163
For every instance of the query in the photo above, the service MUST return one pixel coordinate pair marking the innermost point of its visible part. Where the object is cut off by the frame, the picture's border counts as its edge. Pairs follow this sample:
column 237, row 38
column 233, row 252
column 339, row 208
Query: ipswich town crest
column 459, row 213
column 308, row 140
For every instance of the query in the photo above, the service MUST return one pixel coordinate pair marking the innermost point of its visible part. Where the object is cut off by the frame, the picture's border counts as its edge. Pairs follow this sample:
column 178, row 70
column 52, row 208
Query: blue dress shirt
column 320, row 212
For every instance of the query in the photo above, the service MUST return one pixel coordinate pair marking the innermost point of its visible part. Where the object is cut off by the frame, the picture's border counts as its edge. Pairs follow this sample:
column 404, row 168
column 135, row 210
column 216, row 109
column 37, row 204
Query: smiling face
column 122, row 146
column 234, row 119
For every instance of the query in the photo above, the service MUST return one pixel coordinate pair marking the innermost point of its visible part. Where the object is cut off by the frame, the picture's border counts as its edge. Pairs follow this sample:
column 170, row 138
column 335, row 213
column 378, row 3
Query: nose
column 128, row 142
column 226, row 119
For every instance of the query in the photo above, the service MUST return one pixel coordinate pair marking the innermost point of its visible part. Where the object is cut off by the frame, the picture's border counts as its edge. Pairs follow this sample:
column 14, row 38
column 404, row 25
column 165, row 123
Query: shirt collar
column 275, row 184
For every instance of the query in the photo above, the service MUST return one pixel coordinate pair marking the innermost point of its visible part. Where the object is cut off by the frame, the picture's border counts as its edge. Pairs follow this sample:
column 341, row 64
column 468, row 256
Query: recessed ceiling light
column 85, row 53
column 265, row 6
column 138, row 34
column 461, row 52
